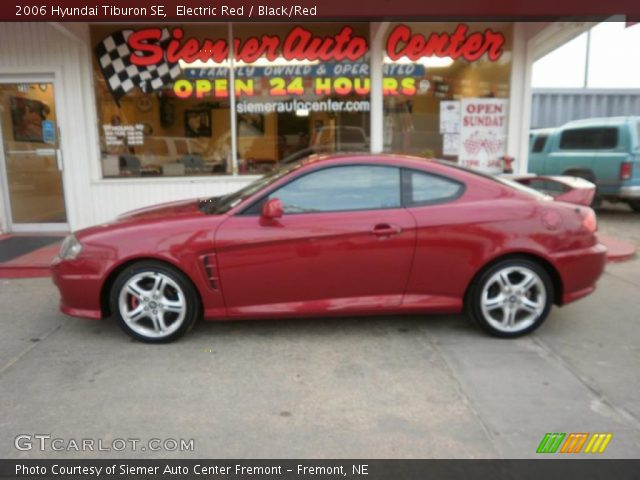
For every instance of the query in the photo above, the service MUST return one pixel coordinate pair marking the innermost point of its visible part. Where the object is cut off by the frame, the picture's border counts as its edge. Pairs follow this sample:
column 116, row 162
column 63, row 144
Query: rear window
column 589, row 139
column 539, row 143
column 421, row 188
column 498, row 179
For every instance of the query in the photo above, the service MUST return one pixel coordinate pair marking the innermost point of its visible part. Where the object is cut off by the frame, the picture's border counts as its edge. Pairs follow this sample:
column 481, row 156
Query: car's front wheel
column 154, row 302
column 511, row 298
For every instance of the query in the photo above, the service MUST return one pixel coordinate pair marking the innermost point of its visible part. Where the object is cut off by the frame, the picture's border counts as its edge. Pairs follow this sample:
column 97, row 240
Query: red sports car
column 360, row 234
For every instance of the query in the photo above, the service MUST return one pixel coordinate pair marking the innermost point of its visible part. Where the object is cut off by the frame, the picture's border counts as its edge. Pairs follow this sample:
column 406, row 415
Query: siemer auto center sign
column 151, row 58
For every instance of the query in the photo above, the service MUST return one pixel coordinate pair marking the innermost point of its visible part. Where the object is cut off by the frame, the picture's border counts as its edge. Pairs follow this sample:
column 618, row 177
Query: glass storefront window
column 165, row 108
column 146, row 128
column 307, row 93
column 446, row 87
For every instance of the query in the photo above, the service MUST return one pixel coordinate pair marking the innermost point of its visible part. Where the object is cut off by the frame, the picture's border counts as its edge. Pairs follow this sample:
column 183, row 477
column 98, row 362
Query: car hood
column 163, row 210
column 163, row 220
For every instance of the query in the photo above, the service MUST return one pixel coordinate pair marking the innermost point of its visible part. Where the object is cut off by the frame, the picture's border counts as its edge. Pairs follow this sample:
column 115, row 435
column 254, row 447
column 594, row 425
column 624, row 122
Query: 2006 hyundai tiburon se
column 349, row 235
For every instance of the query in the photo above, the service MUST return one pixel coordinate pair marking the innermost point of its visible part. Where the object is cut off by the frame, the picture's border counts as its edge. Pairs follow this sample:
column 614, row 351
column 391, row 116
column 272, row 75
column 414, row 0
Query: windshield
column 231, row 200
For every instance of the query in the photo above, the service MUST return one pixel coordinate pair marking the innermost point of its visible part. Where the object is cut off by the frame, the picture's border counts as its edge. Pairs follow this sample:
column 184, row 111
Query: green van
column 605, row 151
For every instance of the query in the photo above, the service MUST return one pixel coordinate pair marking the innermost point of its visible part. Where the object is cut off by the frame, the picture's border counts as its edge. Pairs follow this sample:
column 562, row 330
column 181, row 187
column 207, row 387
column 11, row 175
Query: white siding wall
column 39, row 48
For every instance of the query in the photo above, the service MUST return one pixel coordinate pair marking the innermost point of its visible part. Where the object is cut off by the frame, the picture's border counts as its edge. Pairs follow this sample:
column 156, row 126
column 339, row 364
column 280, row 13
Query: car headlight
column 70, row 248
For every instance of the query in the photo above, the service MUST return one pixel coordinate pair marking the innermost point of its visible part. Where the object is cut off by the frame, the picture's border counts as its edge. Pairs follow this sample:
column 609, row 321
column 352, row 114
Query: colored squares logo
column 598, row 443
column 550, row 442
column 574, row 443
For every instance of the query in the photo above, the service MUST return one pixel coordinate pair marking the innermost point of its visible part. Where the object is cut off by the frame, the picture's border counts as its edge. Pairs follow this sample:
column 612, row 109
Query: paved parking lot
column 393, row 387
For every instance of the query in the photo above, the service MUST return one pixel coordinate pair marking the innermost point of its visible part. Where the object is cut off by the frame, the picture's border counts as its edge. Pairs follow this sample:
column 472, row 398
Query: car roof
column 339, row 157
column 432, row 165
column 541, row 131
column 602, row 121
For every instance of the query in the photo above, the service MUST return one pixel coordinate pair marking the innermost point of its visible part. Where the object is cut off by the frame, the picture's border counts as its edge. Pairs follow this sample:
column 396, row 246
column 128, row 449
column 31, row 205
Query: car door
column 343, row 244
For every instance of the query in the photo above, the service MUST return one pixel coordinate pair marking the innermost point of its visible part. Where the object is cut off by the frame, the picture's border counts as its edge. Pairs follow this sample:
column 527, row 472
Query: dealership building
column 98, row 119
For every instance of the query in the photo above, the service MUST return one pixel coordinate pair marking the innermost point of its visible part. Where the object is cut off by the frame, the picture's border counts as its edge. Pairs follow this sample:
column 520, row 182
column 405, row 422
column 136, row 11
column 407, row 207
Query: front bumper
column 579, row 271
column 79, row 288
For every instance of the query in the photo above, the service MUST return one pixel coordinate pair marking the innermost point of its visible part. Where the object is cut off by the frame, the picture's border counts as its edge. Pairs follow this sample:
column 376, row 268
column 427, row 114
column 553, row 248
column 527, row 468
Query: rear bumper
column 579, row 271
column 630, row 192
column 79, row 291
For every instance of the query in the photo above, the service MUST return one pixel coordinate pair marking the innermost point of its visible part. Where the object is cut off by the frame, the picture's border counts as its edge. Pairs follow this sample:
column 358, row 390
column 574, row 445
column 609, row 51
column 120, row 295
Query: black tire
column 485, row 291
column 154, row 315
column 635, row 205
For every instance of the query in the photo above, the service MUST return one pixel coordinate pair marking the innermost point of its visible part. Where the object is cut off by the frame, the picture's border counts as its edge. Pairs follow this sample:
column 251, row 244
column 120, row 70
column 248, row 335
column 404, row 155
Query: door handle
column 45, row 152
column 386, row 230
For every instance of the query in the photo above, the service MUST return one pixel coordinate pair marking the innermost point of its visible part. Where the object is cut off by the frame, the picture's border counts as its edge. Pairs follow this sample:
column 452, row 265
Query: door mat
column 16, row 246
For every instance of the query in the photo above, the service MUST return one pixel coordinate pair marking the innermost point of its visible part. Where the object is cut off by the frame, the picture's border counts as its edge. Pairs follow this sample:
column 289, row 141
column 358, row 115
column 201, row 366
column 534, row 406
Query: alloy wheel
column 513, row 299
column 152, row 304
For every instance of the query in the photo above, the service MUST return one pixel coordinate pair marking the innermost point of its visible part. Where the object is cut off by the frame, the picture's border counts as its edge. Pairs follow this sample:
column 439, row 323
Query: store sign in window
column 151, row 57
column 483, row 133
column 469, row 46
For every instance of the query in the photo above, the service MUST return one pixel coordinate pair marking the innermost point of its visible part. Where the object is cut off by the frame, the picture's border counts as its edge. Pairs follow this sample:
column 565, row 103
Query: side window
column 334, row 189
column 422, row 188
column 589, row 139
column 539, row 143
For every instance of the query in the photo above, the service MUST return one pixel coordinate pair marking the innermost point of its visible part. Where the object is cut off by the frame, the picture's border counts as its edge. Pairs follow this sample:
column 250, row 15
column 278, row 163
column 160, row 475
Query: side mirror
column 272, row 209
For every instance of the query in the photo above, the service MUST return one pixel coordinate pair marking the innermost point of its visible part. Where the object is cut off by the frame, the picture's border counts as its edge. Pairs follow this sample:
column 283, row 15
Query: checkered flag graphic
column 121, row 75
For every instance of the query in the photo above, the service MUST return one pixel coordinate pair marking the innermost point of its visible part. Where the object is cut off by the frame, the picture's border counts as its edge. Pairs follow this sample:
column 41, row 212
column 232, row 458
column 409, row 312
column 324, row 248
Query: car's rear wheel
column 154, row 302
column 511, row 298
column 635, row 205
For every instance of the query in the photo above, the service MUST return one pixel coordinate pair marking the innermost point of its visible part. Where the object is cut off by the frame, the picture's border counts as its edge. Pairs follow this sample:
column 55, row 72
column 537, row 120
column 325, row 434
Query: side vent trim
column 210, row 265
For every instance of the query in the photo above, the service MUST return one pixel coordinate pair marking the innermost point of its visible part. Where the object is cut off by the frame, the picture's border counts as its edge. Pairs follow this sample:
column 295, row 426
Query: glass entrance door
column 30, row 157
